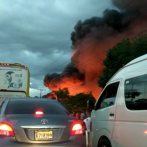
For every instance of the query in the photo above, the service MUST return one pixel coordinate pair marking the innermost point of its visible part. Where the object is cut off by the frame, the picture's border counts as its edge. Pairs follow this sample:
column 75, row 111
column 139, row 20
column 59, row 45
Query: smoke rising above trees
column 91, row 39
column 120, row 54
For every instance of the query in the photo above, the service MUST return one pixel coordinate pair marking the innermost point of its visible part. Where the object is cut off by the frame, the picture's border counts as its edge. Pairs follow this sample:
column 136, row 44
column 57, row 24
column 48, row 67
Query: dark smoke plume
column 50, row 95
column 68, row 78
column 114, row 21
column 92, row 38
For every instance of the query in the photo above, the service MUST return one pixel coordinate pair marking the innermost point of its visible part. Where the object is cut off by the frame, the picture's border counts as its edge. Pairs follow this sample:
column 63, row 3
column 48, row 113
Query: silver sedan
column 26, row 122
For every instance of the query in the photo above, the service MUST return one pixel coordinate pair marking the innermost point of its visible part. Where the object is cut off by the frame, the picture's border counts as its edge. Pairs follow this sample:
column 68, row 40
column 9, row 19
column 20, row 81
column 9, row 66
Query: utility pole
column 41, row 89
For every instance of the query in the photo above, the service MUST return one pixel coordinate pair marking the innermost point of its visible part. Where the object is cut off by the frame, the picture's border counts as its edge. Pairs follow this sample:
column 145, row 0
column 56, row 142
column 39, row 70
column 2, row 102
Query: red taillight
column 76, row 129
column 38, row 112
column 6, row 130
column 4, row 63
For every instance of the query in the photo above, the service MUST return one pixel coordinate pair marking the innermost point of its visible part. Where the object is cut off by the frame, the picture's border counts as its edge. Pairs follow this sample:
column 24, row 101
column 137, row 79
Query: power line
column 131, row 37
column 99, row 41
column 99, row 65
column 68, row 50
column 80, row 43
column 92, row 82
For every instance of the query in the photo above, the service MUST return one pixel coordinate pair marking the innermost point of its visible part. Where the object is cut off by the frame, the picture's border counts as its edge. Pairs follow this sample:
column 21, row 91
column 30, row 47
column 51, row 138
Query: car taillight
column 77, row 129
column 39, row 113
column 4, row 63
column 6, row 130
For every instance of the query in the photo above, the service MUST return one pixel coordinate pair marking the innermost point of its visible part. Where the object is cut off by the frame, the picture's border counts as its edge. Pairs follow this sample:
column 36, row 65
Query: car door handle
column 111, row 114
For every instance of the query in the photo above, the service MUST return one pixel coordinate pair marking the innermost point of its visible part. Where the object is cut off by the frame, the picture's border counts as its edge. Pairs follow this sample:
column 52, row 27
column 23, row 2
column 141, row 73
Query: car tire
column 104, row 143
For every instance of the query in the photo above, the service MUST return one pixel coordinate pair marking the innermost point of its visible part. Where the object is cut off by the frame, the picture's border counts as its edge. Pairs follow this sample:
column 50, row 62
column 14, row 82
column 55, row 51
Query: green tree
column 66, row 93
column 139, row 46
column 62, row 95
column 78, row 101
column 119, row 55
column 53, row 98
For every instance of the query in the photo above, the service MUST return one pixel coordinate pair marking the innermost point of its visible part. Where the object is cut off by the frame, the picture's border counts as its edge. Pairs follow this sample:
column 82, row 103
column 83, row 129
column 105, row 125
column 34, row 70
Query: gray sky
column 36, row 33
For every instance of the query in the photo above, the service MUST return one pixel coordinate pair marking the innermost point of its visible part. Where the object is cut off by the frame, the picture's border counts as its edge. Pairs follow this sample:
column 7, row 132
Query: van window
column 108, row 96
column 136, row 93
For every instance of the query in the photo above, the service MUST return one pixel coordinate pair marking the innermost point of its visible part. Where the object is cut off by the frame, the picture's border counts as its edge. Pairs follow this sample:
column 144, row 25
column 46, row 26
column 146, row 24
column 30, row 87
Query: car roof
column 31, row 99
column 122, row 70
column 138, row 59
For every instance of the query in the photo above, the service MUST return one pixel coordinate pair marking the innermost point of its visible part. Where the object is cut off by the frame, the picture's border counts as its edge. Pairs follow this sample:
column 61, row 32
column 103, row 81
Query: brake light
column 4, row 63
column 6, row 130
column 76, row 129
column 39, row 112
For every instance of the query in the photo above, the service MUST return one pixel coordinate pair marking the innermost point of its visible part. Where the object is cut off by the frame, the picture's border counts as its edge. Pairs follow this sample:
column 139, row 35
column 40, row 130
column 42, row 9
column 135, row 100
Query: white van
column 119, row 118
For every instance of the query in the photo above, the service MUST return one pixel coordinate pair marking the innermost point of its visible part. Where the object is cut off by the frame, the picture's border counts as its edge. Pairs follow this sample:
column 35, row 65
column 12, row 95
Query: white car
column 119, row 118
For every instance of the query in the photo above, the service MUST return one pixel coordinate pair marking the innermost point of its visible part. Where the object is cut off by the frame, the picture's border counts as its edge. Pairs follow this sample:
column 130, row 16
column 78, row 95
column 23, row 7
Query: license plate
column 44, row 135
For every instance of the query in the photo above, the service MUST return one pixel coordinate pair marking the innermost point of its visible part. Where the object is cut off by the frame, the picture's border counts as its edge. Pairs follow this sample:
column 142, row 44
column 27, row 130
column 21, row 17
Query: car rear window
column 30, row 107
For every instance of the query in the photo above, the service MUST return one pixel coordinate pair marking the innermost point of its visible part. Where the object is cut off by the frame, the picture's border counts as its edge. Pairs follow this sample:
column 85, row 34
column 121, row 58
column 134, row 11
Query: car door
column 131, row 115
column 103, row 115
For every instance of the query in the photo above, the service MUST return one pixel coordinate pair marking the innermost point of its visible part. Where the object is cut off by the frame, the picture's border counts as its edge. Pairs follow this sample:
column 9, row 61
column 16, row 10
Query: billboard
column 13, row 78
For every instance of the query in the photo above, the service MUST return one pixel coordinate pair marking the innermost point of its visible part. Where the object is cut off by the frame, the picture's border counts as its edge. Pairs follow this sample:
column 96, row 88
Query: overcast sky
column 36, row 33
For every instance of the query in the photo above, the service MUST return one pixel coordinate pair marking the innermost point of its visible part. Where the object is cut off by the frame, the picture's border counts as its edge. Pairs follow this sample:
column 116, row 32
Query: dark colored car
column 26, row 122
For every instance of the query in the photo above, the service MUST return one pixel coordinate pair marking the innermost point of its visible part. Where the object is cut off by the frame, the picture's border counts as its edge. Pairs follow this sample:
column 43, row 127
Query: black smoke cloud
column 117, row 21
column 69, row 77
column 112, row 19
column 128, row 19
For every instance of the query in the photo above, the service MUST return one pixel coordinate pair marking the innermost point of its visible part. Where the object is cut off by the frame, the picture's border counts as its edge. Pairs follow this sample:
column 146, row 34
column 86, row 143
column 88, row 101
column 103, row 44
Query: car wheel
column 104, row 143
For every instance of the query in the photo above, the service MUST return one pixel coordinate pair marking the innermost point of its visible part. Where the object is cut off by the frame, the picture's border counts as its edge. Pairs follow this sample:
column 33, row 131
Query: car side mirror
column 90, row 104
